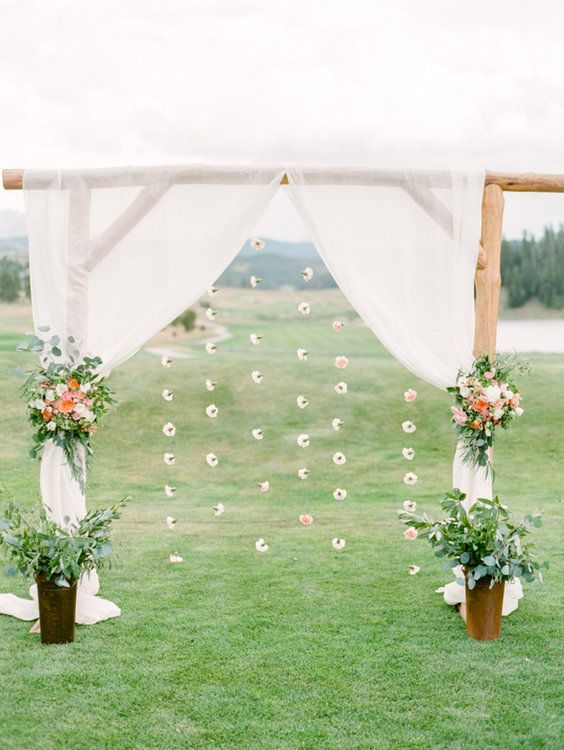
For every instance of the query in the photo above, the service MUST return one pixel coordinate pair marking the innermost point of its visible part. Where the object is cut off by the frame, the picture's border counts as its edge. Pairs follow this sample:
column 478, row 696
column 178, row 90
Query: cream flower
column 302, row 354
column 264, row 486
column 211, row 348
column 256, row 376
column 166, row 361
column 61, row 388
column 339, row 458
column 338, row 326
column 212, row 411
column 303, row 472
column 257, row 433
column 210, row 313
column 340, row 494
column 337, row 423
column 413, row 570
column 410, row 478
column 212, row 459
column 518, row 411
column 261, row 546
column 409, row 506
column 337, row 543
column 167, row 395
column 302, row 402
column 303, row 440
column 255, row 339
column 257, row 244
column 341, row 388
column 169, row 459
column 51, row 396
column 218, row 510
column 254, row 281
column 408, row 426
column 169, row 429
column 304, row 308
column 492, row 393
column 212, row 291
column 210, row 385
column 341, row 362
column 175, row 558
column 40, row 405
column 305, row 519
column 410, row 533
column 408, row 453
column 307, row 274
column 51, row 426
column 170, row 522
column 169, row 490
column 410, row 395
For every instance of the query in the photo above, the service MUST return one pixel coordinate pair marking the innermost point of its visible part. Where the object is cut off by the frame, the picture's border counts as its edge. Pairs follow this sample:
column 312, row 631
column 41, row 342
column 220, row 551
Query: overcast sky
column 407, row 82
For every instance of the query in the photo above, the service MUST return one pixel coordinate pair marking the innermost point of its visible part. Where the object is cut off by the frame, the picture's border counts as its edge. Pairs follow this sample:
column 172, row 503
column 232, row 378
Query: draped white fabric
column 116, row 254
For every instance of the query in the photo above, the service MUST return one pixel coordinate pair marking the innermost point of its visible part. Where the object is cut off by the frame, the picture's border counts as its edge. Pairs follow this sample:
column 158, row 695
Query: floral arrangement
column 486, row 539
column 65, row 400
column 485, row 398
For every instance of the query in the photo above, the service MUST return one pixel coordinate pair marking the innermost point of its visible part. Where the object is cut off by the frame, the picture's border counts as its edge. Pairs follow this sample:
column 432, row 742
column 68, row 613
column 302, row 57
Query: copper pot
column 57, row 609
column 483, row 609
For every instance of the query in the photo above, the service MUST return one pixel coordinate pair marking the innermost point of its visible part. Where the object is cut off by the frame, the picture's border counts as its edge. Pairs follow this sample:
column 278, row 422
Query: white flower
column 210, row 385
column 519, row 410
column 212, row 459
column 39, row 404
column 175, row 558
column 218, row 510
column 166, row 361
column 211, row 347
column 408, row 426
column 409, row 506
column 410, row 478
column 261, row 546
column 169, row 459
column 304, row 308
column 50, row 393
column 51, row 426
column 408, row 453
column 341, row 362
column 256, row 376
column 498, row 413
column 254, row 281
column 341, row 388
column 170, row 522
column 169, row 490
column 302, row 402
column 414, row 569
column 303, row 440
column 338, row 326
column 255, row 339
column 257, row 433
column 492, row 393
column 60, row 388
column 80, row 408
column 264, row 486
column 210, row 313
column 85, row 388
column 302, row 354
column 212, row 291
column 212, row 411
column 337, row 423
column 303, row 473
column 257, row 244
column 339, row 458
column 340, row 494
column 307, row 274
column 337, row 543
column 167, row 395
column 89, row 416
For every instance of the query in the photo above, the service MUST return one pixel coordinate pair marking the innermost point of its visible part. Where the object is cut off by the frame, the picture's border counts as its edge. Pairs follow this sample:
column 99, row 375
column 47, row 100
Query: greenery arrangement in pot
column 56, row 557
column 491, row 546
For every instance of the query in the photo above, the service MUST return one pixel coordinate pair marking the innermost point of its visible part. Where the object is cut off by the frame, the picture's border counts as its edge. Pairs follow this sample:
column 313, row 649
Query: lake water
column 546, row 336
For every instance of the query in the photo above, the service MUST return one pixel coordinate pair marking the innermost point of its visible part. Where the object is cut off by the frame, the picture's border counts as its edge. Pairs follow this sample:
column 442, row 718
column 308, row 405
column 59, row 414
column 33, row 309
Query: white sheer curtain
column 115, row 255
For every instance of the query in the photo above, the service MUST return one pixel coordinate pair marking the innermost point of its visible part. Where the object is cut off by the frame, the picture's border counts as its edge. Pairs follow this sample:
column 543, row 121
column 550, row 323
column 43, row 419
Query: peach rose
column 73, row 384
column 46, row 415
column 341, row 361
column 66, row 405
column 410, row 395
column 306, row 519
column 410, row 533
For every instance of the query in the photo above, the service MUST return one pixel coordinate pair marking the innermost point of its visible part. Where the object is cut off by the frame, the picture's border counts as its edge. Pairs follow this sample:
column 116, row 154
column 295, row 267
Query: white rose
column 51, row 426
column 50, row 394
column 85, row 388
column 60, row 389
column 38, row 404
column 80, row 408
column 89, row 416
column 492, row 393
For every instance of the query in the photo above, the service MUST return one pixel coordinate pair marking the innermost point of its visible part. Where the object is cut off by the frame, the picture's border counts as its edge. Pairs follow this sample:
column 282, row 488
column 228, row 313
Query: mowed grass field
column 302, row 647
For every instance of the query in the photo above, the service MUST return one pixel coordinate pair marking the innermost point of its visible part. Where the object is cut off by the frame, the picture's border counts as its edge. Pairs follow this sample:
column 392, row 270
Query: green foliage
column 62, row 554
column 534, row 268
column 486, row 539
column 187, row 320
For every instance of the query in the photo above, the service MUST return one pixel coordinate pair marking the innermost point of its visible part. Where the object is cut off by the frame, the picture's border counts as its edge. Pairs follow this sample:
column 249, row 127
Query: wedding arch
column 117, row 253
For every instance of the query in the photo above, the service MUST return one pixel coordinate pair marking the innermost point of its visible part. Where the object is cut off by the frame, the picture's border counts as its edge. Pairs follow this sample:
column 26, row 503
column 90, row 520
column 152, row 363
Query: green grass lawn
column 301, row 647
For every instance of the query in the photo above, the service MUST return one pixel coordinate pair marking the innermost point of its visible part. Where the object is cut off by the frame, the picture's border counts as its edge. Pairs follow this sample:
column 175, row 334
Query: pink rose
column 410, row 533
column 341, row 362
column 337, row 326
column 459, row 415
column 306, row 519
column 488, row 375
column 410, row 395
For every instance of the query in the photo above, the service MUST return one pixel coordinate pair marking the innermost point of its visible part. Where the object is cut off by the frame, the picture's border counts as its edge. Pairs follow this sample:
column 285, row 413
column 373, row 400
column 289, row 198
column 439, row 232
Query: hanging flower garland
column 410, row 478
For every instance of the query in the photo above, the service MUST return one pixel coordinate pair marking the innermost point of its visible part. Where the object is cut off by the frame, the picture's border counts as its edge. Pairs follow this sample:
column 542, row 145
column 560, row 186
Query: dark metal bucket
column 483, row 609
column 57, row 609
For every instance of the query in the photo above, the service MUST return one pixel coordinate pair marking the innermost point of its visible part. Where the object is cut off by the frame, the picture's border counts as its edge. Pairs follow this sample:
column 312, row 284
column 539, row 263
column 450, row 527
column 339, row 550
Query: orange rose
column 66, row 405
column 73, row 384
column 476, row 424
column 46, row 415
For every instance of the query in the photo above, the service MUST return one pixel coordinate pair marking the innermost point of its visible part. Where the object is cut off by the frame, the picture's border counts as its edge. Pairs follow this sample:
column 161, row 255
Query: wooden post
column 488, row 279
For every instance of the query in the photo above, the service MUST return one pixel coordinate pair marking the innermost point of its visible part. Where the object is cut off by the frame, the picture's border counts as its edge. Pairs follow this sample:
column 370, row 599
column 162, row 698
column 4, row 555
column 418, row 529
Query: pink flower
column 306, row 519
column 410, row 533
column 459, row 415
column 338, row 326
column 410, row 395
column 341, row 362
column 488, row 375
